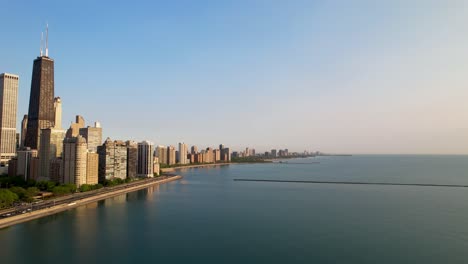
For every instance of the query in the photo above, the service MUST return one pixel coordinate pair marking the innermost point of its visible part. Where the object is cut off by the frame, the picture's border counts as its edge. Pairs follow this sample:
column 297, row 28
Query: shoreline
column 21, row 218
column 164, row 170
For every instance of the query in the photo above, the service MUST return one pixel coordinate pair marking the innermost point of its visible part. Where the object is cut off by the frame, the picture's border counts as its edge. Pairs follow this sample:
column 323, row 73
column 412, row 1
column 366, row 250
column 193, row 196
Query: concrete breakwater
column 20, row 218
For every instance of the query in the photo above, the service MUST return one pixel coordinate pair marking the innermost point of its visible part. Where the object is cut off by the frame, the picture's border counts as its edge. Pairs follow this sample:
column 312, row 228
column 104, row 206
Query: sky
column 359, row 77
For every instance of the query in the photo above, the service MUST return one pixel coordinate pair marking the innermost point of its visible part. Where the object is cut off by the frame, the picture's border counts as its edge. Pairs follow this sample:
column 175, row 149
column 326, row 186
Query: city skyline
column 400, row 96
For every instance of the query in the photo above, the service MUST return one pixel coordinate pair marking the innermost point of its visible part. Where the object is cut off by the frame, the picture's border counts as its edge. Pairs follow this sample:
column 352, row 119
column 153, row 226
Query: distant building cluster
column 168, row 155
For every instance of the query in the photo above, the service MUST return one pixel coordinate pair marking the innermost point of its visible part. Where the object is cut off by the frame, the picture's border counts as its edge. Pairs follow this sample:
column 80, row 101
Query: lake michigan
column 207, row 217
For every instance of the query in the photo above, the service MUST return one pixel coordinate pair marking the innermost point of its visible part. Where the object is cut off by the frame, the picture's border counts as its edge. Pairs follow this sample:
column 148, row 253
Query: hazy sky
column 336, row 76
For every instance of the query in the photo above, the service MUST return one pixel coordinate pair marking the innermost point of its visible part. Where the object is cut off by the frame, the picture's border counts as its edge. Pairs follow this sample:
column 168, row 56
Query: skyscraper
column 24, row 164
column 41, row 112
column 194, row 150
column 217, row 155
column 74, row 129
column 93, row 136
column 75, row 160
column 183, row 153
column 145, row 159
column 58, row 113
column 161, row 153
column 24, row 125
column 8, row 107
column 51, row 148
column 171, row 155
column 112, row 160
column 132, row 159
column 92, row 168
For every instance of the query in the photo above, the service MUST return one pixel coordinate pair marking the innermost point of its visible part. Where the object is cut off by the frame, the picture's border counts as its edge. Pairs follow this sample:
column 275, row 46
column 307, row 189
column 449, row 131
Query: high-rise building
column 273, row 153
column 171, row 155
column 225, row 153
column 112, row 160
column 41, row 112
column 24, row 167
column 93, row 136
column 74, row 129
column 217, row 155
column 12, row 167
column 58, row 113
column 209, row 156
column 161, row 153
column 75, row 160
column 18, row 141
column 24, row 126
column 34, row 169
column 183, row 149
column 156, row 166
column 145, row 166
column 194, row 150
column 132, row 159
column 8, row 108
column 191, row 157
column 51, row 148
column 92, row 168
column 55, row 170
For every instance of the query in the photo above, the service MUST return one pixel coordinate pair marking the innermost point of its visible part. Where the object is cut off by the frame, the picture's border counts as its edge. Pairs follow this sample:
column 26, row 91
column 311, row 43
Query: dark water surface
column 209, row 218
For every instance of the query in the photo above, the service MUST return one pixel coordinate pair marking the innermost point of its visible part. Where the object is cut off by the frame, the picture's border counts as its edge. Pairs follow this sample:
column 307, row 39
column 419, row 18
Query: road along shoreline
column 13, row 220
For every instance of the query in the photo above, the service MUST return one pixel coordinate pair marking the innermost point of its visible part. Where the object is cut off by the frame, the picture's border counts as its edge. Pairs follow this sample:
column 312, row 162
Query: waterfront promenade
column 65, row 203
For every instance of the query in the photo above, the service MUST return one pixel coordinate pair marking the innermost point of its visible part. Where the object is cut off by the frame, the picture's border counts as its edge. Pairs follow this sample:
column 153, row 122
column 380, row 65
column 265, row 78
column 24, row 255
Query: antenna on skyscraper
column 47, row 41
column 42, row 40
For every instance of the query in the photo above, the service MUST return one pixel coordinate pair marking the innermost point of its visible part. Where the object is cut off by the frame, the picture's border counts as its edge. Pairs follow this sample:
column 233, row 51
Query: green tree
column 20, row 191
column 33, row 191
column 85, row 188
column 70, row 187
column 7, row 198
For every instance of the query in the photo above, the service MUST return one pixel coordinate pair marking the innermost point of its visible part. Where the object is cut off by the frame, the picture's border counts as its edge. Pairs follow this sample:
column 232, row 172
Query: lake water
column 208, row 218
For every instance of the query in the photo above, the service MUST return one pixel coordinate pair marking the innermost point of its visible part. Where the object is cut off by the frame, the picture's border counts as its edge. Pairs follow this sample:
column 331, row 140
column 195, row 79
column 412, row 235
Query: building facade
column 93, row 136
column 24, row 125
column 171, row 155
column 8, row 108
column 24, row 164
column 55, row 170
column 161, row 153
column 52, row 147
column 132, row 159
column 145, row 168
column 75, row 160
column 41, row 112
column 183, row 150
column 112, row 160
column 92, row 168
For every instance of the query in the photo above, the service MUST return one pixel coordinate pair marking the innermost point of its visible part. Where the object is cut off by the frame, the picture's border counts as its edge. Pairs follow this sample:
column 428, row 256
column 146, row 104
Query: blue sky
column 337, row 76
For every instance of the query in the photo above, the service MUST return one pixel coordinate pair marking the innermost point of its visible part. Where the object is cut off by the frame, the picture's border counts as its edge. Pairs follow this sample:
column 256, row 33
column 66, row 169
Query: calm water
column 209, row 218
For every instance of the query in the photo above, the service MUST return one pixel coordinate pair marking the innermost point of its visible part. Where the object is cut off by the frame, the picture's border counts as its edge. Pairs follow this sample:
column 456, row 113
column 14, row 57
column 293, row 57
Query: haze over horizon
column 360, row 77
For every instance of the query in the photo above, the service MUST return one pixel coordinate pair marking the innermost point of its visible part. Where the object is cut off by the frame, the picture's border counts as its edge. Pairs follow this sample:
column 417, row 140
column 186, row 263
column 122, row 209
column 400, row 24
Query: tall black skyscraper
column 41, row 101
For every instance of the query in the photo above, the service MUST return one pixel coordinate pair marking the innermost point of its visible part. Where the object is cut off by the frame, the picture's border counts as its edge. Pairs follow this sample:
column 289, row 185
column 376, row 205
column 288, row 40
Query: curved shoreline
column 20, row 218
column 196, row 166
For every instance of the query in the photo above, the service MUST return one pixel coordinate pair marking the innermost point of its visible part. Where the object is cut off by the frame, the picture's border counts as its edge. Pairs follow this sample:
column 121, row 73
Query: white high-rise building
column 145, row 159
column 8, row 109
column 58, row 113
column 183, row 150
